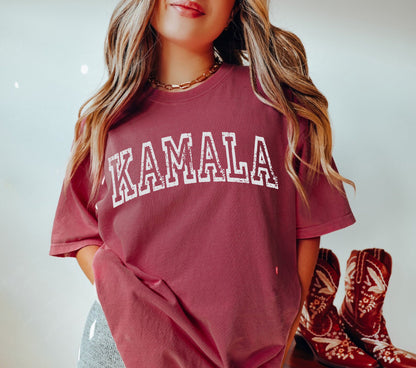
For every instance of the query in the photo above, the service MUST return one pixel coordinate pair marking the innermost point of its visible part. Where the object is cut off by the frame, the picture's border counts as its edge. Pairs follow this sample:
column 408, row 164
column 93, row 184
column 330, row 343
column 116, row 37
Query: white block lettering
column 209, row 160
column 178, row 159
column 149, row 170
column 123, row 187
column 262, row 165
column 234, row 174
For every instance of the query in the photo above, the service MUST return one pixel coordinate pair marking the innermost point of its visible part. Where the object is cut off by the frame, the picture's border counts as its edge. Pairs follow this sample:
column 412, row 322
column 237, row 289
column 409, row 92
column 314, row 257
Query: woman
column 197, row 210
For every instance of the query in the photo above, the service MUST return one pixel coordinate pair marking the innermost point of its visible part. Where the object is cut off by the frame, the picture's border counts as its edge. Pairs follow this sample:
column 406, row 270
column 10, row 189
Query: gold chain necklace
column 186, row 85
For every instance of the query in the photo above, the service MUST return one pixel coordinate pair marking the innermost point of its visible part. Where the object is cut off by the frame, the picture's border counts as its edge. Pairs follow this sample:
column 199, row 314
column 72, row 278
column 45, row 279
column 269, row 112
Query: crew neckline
column 165, row 96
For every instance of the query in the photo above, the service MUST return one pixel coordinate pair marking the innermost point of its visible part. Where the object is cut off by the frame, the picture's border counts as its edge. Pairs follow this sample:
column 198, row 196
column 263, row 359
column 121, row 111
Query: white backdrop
column 361, row 55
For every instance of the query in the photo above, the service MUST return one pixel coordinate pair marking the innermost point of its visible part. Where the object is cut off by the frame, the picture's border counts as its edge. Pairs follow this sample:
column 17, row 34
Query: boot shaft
column 366, row 281
column 325, row 280
column 322, row 290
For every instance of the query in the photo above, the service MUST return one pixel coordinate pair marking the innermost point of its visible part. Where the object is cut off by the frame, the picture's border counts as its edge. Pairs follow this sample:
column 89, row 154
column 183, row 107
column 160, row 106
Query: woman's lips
column 189, row 9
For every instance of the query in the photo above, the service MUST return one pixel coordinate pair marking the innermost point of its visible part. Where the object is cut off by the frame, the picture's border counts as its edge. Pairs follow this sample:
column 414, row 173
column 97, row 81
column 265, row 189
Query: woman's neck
column 178, row 65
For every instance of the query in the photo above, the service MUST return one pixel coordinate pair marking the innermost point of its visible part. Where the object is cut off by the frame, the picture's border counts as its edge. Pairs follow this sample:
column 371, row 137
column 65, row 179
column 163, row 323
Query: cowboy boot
column 320, row 326
column 366, row 281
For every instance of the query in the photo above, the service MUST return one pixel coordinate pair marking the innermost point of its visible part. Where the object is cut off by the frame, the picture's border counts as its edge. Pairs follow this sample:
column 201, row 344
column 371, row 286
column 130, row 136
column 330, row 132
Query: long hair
column 277, row 61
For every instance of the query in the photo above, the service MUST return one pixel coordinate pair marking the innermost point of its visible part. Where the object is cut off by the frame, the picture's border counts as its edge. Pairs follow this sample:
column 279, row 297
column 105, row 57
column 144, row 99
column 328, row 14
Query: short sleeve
column 329, row 210
column 75, row 225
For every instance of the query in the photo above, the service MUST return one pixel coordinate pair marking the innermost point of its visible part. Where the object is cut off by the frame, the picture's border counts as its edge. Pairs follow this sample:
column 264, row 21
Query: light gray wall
column 361, row 55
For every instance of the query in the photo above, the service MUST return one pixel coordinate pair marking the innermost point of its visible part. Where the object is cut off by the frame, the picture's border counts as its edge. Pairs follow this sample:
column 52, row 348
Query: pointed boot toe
column 363, row 361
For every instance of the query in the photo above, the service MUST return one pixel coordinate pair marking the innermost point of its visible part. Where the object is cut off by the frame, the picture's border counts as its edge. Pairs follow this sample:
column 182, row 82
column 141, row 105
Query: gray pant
column 98, row 349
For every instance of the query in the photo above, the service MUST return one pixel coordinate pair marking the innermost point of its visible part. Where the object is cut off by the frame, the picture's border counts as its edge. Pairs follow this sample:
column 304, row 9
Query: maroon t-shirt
column 197, row 222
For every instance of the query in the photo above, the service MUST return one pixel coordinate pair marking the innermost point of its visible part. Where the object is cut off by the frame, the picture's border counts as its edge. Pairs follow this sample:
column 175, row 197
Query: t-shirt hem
column 97, row 299
column 70, row 249
column 328, row 227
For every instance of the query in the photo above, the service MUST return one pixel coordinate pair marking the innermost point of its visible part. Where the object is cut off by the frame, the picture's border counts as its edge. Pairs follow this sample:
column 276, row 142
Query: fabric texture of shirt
column 197, row 222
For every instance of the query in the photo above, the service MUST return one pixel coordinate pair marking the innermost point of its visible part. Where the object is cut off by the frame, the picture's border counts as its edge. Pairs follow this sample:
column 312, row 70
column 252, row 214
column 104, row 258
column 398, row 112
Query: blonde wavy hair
column 276, row 59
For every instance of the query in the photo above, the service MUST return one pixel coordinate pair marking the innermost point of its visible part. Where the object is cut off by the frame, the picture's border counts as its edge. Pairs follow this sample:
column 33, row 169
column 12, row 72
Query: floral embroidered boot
column 320, row 326
column 367, row 276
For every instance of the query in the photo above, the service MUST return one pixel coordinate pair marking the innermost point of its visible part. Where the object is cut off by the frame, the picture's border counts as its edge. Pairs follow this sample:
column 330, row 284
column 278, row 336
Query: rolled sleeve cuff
column 70, row 249
column 325, row 228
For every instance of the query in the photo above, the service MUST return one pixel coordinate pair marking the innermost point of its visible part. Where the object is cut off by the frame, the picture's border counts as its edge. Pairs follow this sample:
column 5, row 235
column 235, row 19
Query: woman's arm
column 84, row 258
column 307, row 250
